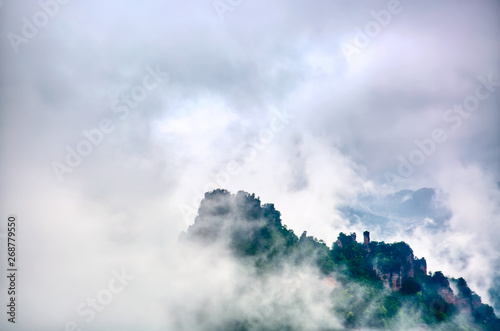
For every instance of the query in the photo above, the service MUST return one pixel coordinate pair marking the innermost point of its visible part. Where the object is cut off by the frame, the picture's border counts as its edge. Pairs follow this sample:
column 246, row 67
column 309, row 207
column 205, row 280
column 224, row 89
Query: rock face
column 344, row 241
column 255, row 234
column 366, row 240
column 420, row 264
column 393, row 263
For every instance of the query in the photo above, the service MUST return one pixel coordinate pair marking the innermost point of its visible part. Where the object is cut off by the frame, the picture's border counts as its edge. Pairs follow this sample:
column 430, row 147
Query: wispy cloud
column 120, row 206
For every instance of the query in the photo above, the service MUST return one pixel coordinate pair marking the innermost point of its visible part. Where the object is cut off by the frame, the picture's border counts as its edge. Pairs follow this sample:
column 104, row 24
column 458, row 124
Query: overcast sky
column 116, row 116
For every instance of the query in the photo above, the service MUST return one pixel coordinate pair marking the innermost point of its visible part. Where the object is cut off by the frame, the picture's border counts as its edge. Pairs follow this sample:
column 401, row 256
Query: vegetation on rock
column 378, row 283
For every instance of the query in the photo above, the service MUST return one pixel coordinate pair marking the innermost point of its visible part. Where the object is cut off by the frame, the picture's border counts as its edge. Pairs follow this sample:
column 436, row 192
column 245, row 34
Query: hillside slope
column 378, row 284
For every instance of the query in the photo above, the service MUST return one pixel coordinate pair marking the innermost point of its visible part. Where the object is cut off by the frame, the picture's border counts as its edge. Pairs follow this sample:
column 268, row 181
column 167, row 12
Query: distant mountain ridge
column 394, row 280
column 402, row 210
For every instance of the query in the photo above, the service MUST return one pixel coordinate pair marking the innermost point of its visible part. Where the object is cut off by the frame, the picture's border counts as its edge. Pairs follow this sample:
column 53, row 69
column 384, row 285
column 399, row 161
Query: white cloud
column 121, row 205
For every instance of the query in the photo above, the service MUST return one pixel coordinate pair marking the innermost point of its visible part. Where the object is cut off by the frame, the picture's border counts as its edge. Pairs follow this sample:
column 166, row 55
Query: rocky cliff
column 256, row 235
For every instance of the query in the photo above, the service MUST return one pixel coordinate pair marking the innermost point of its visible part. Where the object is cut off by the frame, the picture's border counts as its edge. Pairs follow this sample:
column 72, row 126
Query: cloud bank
column 213, row 119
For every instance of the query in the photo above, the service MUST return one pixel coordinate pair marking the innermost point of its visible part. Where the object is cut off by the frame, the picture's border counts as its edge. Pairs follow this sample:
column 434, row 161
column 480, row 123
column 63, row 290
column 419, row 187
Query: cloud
column 226, row 78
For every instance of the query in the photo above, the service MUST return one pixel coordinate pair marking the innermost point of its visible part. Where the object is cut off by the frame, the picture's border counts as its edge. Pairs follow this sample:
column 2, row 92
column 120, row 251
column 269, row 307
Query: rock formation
column 393, row 263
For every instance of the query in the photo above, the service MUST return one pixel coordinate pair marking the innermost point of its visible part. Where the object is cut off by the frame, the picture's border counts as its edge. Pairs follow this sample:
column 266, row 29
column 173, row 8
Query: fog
column 117, row 116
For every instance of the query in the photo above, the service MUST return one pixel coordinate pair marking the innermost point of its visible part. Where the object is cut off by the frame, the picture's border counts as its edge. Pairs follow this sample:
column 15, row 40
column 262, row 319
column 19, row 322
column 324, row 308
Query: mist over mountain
column 349, row 116
column 329, row 286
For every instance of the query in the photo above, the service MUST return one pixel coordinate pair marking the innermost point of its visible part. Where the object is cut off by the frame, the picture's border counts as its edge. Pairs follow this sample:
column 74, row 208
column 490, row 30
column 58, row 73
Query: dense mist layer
column 307, row 285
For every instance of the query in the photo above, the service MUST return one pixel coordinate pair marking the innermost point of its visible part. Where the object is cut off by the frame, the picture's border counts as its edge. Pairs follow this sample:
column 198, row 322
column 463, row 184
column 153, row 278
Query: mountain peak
column 254, row 233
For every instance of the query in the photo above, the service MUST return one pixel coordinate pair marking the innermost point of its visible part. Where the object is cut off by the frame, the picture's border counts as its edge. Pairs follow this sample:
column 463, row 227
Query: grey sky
column 229, row 83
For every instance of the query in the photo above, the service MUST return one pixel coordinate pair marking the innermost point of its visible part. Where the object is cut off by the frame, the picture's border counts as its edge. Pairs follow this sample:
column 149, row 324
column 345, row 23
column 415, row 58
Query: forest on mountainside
column 371, row 284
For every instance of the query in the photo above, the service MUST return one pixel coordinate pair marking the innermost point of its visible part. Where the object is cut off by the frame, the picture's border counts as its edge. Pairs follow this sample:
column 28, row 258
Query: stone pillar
column 366, row 236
